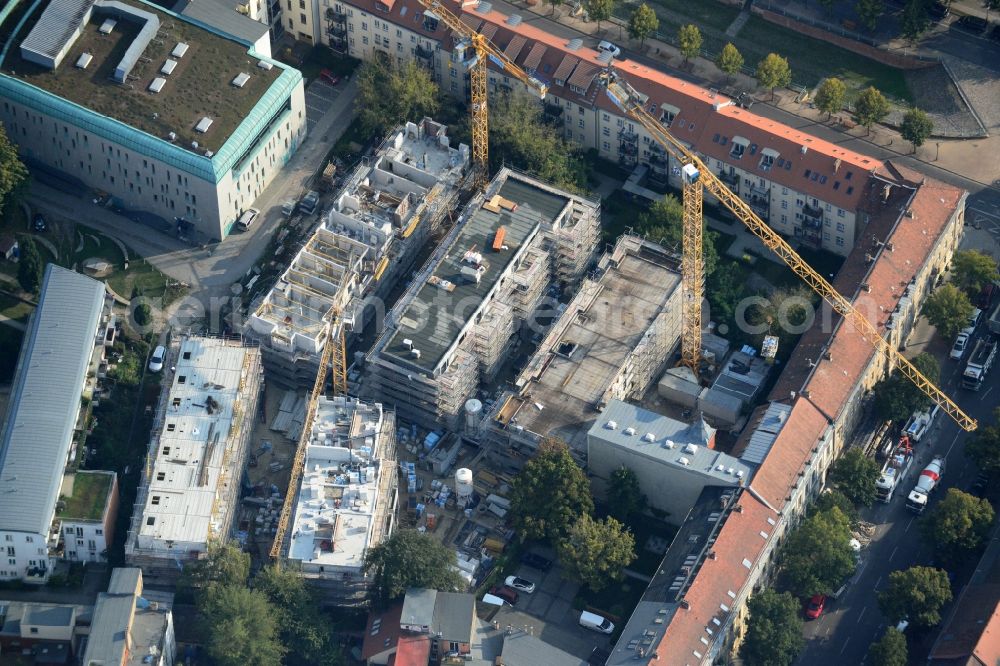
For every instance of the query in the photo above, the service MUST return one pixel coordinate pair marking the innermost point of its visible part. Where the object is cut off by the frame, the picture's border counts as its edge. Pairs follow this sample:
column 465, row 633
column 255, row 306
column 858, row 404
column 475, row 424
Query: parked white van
column 595, row 622
column 247, row 218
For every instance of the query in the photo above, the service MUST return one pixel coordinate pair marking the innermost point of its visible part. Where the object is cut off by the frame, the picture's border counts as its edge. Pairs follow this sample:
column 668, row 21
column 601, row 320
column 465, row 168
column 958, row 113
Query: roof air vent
column 691, row 449
column 484, row 8
column 611, row 425
column 805, row 149
column 241, row 79
column 649, row 437
column 629, row 431
column 514, row 19
column 574, row 44
column 605, row 57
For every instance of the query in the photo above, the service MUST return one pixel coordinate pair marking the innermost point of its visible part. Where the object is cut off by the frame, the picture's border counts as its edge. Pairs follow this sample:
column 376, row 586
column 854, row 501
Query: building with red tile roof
column 805, row 187
column 915, row 225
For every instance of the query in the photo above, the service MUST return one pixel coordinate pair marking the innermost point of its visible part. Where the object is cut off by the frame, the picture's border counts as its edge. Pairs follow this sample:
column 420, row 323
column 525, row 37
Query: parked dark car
column 536, row 561
column 985, row 299
column 973, row 24
column 508, row 594
column 978, row 487
column 995, row 33
column 938, row 11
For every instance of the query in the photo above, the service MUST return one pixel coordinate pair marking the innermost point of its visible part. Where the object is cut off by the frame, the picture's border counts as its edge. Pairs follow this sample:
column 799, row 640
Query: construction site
column 514, row 243
column 190, row 487
column 347, row 499
column 386, row 211
column 611, row 342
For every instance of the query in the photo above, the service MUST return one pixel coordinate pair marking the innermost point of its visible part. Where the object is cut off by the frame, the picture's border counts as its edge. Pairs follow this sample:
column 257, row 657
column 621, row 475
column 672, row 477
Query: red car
column 508, row 594
column 815, row 607
column 331, row 78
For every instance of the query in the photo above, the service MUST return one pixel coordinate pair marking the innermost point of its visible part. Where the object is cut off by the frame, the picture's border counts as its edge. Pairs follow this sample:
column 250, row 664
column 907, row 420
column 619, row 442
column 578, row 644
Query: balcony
column 813, row 212
column 731, row 180
column 627, row 136
column 425, row 54
column 336, row 31
column 628, row 149
column 335, row 16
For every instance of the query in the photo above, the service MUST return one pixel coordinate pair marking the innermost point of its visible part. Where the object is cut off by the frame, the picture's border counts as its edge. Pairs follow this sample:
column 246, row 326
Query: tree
column 305, row 632
column 520, row 137
column 595, row 552
column 971, row 270
column 948, row 309
column 827, row 6
column 240, row 626
column 642, row 23
column 390, row 94
column 141, row 312
column 984, row 447
column 726, row 287
column 223, row 564
column 689, row 40
column 729, row 60
column 411, row 559
column 915, row 19
column 783, row 312
column 916, row 127
column 870, row 11
column 30, row 267
column 896, row 397
column 624, row 496
column 916, row 594
column 663, row 223
column 773, row 72
column 550, row 493
column 774, row 629
column 554, row 3
column 599, row 10
column 13, row 173
column 890, row 650
column 958, row 524
column 871, row 107
column 830, row 96
column 817, row 556
column 855, row 475
column 834, row 498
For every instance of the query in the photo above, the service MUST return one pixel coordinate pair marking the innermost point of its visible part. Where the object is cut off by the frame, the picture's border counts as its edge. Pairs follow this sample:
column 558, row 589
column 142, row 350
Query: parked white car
column 521, row 584
column 958, row 349
column 608, row 47
column 156, row 360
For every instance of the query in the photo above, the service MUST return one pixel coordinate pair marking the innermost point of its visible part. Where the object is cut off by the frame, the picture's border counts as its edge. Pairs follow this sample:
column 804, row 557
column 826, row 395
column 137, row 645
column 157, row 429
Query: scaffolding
column 528, row 282
column 456, row 384
column 572, row 240
column 491, row 338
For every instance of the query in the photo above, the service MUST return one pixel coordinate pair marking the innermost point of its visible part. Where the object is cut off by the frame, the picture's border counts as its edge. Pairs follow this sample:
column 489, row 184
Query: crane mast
column 333, row 355
column 697, row 176
column 485, row 51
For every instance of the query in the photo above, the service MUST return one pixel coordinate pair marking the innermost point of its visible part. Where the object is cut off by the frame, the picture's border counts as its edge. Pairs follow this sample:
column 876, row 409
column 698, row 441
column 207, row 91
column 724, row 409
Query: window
column 364, row 40
column 784, row 205
column 8, row 537
column 99, row 532
column 151, row 520
column 784, row 219
column 840, row 212
column 580, row 123
column 607, row 146
column 91, row 544
column 605, row 117
column 848, row 175
column 606, row 131
column 302, row 18
column 826, row 236
column 155, row 501
column 766, row 162
column 840, row 227
column 166, row 450
column 29, row 539
column 850, row 189
column 34, row 630
column 840, row 241
column 364, row 25
column 807, row 173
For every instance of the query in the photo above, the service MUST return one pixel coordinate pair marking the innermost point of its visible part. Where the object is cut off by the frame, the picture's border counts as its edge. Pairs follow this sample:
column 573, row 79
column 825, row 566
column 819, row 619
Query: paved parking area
column 319, row 96
column 548, row 613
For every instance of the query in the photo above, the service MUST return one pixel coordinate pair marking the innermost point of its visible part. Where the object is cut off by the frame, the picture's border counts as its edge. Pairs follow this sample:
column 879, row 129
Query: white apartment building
column 191, row 481
column 347, row 499
column 64, row 339
column 160, row 132
column 87, row 510
column 804, row 187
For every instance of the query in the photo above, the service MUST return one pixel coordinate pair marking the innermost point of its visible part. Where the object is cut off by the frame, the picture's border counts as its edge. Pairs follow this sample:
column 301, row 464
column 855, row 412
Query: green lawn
column 90, row 494
column 320, row 58
column 10, row 347
column 15, row 308
column 703, row 14
column 812, row 60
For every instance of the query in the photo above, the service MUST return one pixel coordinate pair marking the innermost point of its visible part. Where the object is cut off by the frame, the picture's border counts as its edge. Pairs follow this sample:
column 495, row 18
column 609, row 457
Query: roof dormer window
column 739, row 147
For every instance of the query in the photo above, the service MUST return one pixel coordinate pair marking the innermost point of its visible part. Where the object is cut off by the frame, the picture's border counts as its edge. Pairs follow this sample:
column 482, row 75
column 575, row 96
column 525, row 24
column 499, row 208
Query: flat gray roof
column 521, row 649
column 435, row 317
column 45, row 398
column 223, row 17
column 665, row 440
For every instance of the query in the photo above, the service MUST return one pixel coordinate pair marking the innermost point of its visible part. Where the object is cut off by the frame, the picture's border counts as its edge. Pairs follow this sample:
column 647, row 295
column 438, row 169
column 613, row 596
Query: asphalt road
column 850, row 624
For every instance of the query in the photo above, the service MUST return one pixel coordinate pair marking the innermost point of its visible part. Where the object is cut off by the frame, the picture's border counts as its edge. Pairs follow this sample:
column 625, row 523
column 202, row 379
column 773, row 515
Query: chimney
column 685, row 604
column 836, row 165
column 827, row 355
column 886, row 190
column 865, row 287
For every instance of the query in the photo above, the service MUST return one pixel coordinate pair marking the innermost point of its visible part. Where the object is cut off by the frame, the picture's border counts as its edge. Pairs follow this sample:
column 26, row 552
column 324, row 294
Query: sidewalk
column 961, row 157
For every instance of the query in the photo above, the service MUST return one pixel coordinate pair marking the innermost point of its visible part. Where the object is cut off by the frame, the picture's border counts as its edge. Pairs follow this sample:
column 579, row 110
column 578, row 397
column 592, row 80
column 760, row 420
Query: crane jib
column 497, row 61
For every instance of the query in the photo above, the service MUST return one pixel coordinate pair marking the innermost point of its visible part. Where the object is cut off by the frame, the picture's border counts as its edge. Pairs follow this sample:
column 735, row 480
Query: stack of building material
column 291, row 415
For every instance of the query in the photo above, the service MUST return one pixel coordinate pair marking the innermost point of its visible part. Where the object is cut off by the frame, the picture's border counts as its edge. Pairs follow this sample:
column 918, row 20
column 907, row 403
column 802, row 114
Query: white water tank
column 463, row 484
column 473, row 416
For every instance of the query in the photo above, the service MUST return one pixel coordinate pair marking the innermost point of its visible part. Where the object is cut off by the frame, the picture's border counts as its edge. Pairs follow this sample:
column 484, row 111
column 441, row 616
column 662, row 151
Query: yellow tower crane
column 696, row 177
column 485, row 51
column 333, row 356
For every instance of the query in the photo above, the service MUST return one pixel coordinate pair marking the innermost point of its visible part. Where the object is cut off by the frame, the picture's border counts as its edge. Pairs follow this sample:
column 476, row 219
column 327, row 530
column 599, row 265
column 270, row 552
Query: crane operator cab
column 690, row 174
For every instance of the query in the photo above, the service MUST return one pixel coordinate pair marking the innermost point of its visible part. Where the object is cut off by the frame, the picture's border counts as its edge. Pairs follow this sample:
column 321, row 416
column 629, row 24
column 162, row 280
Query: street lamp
column 937, row 150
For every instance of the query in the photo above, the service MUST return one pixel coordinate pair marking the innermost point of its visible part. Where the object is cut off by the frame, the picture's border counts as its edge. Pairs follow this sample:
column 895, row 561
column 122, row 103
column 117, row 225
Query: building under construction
column 461, row 313
column 190, row 486
column 610, row 343
column 381, row 218
column 347, row 499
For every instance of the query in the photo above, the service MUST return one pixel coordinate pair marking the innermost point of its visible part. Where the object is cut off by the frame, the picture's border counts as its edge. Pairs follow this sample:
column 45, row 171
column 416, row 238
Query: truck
column 920, row 422
column 894, row 469
column 928, row 480
column 994, row 321
column 980, row 363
